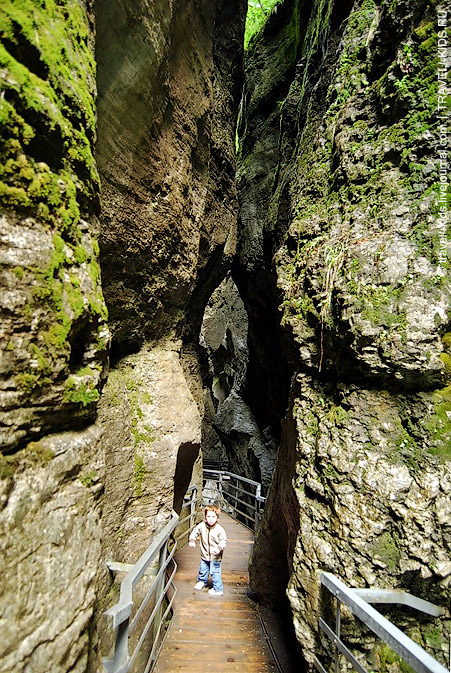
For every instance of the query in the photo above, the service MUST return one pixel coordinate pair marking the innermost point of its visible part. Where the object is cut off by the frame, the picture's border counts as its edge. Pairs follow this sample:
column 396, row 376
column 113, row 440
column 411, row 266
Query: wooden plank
column 216, row 633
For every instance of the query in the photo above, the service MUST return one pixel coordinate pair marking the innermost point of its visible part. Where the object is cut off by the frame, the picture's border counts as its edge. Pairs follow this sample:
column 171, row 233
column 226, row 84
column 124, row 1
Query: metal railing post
column 240, row 491
column 122, row 610
column 258, row 492
column 159, row 590
column 358, row 601
column 192, row 513
column 338, row 633
column 121, row 653
column 220, row 486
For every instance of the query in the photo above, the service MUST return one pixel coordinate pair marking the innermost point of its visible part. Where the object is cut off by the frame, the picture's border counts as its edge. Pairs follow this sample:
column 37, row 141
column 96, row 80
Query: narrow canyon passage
column 223, row 240
column 217, row 633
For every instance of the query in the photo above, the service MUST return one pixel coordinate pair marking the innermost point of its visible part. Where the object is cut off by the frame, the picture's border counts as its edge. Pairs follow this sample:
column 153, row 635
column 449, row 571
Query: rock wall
column 231, row 433
column 338, row 183
column 54, row 337
column 169, row 83
column 91, row 470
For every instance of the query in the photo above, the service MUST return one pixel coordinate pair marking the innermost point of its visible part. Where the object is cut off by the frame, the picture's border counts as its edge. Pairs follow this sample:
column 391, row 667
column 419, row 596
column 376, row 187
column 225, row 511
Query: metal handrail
column 122, row 661
column 120, row 613
column 358, row 601
column 252, row 509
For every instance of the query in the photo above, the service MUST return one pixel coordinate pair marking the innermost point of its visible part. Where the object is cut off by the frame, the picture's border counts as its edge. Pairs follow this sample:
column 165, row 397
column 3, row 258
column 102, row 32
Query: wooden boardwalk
column 220, row 634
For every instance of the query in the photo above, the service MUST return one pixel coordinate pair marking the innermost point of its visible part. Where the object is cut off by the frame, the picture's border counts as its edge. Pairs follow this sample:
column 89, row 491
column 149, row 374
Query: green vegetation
column 35, row 453
column 140, row 473
column 408, row 451
column 89, row 478
column 301, row 307
column 257, row 13
column 386, row 550
column 47, row 112
column 59, row 297
column 337, row 415
column 389, row 660
column 80, row 391
column 48, row 171
column 376, row 166
column 438, row 425
column 126, row 381
column 351, row 74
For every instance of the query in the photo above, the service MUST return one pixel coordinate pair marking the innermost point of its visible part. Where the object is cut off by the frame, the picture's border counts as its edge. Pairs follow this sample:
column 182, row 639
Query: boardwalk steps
column 216, row 633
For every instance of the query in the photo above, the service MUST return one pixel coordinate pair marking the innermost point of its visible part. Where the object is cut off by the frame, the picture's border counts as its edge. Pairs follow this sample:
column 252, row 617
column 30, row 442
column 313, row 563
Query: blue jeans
column 213, row 567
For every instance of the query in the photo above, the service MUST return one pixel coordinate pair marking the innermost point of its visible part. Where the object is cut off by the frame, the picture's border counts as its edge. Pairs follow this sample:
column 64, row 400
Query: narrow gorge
column 212, row 253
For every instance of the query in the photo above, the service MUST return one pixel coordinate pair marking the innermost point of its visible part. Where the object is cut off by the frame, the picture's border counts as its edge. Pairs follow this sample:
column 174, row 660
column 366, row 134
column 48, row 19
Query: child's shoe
column 199, row 586
column 213, row 592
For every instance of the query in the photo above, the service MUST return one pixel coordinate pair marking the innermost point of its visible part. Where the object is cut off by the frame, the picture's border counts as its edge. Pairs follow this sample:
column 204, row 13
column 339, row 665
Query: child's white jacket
column 210, row 538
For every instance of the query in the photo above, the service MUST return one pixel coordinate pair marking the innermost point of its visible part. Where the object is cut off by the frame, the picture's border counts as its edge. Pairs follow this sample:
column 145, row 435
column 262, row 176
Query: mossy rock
column 47, row 112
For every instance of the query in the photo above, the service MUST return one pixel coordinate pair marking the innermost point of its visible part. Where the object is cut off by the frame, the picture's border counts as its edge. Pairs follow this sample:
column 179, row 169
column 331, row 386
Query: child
column 213, row 540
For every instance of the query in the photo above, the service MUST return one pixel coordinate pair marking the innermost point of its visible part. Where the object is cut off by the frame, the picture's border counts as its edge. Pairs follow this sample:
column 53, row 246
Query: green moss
column 433, row 637
column 299, row 306
column 89, row 478
column 39, row 452
column 409, row 451
column 27, row 381
column 8, row 466
column 140, row 473
column 57, row 288
column 337, row 415
column 386, row 550
column 125, row 379
column 446, row 341
column 438, row 425
column 47, row 111
column 351, row 75
column 446, row 359
column 80, row 392
column 35, row 453
column 387, row 658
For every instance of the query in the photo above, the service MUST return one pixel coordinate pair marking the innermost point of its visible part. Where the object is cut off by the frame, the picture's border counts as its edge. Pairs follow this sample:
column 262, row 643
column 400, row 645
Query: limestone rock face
column 54, row 338
column 143, row 440
column 169, row 83
column 53, row 335
column 169, row 77
column 50, row 552
column 338, row 184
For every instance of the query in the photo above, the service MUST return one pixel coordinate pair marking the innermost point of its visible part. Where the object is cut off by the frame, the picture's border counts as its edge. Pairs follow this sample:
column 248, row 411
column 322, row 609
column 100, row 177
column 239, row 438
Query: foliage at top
column 257, row 13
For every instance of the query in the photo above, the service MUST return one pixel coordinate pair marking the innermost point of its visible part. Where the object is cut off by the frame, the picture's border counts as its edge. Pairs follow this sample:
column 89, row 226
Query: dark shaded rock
column 169, row 83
